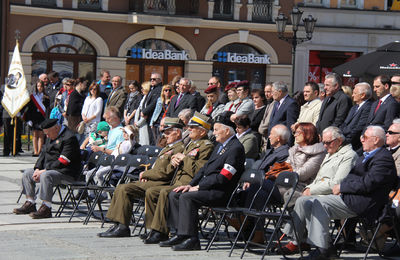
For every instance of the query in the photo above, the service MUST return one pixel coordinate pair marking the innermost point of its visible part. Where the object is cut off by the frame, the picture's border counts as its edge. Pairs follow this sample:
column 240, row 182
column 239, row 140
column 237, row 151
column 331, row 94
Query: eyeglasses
column 328, row 142
column 392, row 133
column 154, row 79
column 167, row 90
column 212, row 83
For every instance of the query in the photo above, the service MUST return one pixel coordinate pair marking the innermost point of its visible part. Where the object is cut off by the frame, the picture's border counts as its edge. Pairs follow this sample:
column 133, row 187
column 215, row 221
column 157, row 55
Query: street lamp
column 309, row 24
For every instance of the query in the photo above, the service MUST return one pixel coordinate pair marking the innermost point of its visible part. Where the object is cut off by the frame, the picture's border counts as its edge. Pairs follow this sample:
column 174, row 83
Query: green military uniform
column 160, row 174
column 196, row 155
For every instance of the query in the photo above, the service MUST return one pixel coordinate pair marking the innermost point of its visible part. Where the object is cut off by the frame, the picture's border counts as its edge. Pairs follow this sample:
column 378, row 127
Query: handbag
column 81, row 127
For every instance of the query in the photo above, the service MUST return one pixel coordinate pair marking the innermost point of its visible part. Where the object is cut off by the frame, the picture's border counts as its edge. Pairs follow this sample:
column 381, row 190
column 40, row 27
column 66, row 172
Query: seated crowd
column 344, row 149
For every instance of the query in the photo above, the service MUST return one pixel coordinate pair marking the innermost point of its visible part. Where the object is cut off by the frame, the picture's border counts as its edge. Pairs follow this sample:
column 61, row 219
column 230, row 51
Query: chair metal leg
column 216, row 229
column 373, row 240
column 238, row 234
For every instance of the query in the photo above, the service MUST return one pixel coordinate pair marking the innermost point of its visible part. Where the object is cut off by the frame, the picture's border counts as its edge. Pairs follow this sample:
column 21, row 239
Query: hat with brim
column 225, row 119
column 173, row 122
column 48, row 123
column 200, row 120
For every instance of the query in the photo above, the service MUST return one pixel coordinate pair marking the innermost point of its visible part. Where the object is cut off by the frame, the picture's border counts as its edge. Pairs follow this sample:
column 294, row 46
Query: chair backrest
column 287, row 179
column 106, row 160
column 149, row 150
column 94, row 159
column 248, row 164
column 138, row 161
column 122, row 160
column 253, row 176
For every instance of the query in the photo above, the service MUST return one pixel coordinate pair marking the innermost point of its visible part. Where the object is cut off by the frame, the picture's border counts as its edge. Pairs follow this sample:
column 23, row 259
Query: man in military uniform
column 59, row 161
column 187, row 164
column 211, row 186
column 120, row 210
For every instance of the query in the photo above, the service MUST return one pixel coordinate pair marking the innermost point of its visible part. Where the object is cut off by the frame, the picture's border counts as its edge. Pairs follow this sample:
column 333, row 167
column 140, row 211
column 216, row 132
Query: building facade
column 234, row 39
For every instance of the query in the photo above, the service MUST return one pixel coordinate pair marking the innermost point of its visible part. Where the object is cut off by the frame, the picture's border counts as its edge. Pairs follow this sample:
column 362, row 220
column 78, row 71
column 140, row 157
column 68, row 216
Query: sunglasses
column 328, row 142
column 167, row 90
column 154, row 79
column 392, row 133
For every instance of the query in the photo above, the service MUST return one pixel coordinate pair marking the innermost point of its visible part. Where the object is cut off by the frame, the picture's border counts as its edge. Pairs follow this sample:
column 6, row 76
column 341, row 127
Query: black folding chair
column 254, row 177
column 286, row 180
column 149, row 150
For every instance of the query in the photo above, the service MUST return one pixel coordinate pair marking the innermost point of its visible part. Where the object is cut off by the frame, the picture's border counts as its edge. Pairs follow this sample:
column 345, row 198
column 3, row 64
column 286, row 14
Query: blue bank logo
column 222, row 56
column 136, row 53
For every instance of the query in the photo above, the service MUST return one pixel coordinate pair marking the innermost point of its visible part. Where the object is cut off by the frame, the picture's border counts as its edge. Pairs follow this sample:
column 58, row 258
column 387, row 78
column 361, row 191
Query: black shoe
column 110, row 229
column 119, row 231
column 192, row 243
column 175, row 240
column 155, row 237
column 144, row 236
column 321, row 254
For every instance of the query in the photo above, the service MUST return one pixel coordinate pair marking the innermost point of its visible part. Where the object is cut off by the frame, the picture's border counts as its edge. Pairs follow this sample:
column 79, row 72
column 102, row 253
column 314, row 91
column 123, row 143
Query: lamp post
column 309, row 24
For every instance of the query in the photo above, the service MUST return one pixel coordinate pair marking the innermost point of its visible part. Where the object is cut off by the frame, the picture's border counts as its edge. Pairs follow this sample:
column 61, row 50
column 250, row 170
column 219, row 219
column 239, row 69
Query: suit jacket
column 334, row 111
column 250, row 144
column 221, row 173
column 355, row 123
column 366, row 189
column 151, row 101
column 62, row 154
column 388, row 110
column 272, row 156
column 117, row 98
column 162, row 169
column 200, row 101
column 196, row 154
column 187, row 101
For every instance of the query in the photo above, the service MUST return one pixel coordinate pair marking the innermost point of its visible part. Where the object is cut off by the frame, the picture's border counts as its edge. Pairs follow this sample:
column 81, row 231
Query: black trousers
column 9, row 136
column 184, row 208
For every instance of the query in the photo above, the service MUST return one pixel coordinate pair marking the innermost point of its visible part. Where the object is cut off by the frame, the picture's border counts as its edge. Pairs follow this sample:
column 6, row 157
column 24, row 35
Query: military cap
column 230, row 85
column 224, row 118
column 211, row 89
column 200, row 120
column 48, row 123
column 243, row 83
column 173, row 122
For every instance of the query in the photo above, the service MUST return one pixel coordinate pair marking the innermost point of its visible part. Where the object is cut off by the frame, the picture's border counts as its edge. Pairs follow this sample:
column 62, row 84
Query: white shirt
column 93, row 107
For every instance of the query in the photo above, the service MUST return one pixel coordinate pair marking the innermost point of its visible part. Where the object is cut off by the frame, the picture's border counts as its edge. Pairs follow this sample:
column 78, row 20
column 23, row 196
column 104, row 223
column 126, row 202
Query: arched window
column 69, row 55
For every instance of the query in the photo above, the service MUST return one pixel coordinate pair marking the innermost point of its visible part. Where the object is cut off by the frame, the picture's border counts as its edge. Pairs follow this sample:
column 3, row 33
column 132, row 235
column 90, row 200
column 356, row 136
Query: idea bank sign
column 139, row 53
column 243, row 58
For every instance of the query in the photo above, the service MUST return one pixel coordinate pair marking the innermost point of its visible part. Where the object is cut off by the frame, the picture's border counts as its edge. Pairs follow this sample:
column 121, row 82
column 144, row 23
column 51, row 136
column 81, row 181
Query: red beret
column 211, row 89
column 243, row 83
column 230, row 85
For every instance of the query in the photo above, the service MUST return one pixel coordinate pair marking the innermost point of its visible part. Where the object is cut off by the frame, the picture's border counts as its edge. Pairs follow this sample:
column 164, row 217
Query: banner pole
column 15, row 136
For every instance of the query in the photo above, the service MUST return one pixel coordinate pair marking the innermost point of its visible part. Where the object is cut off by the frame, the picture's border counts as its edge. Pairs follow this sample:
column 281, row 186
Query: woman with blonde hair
column 161, row 109
column 140, row 120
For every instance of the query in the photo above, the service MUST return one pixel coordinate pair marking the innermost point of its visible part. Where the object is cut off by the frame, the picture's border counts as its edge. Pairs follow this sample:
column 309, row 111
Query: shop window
column 45, row 3
column 69, row 55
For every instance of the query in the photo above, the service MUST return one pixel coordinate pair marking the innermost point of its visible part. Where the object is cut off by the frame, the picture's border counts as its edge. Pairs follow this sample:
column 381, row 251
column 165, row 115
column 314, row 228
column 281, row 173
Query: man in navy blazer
column 183, row 100
column 363, row 193
column 211, row 186
column 386, row 108
column 151, row 98
column 336, row 105
column 356, row 120
column 285, row 111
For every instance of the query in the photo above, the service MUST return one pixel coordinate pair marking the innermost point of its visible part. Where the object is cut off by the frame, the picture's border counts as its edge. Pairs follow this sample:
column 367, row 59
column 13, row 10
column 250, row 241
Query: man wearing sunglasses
column 393, row 142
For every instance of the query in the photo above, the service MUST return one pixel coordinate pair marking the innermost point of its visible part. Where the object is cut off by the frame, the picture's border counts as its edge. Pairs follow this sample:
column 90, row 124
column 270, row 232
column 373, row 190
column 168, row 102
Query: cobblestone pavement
column 24, row 238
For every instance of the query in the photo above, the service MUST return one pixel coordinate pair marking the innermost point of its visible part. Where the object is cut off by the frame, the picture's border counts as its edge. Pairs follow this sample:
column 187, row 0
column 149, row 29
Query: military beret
column 48, row 123
column 230, row 85
column 244, row 83
column 200, row 120
column 225, row 119
column 173, row 122
column 211, row 89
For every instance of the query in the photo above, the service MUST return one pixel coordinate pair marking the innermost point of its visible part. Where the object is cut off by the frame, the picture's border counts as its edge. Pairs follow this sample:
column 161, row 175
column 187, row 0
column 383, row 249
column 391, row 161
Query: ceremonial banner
column 16, row 95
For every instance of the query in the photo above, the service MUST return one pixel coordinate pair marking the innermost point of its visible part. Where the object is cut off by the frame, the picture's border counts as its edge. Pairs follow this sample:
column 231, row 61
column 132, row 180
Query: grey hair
column 186, row 113
column 336, row 79
column 365, row 88
column 377, row 131
column 280, row 86
column 186, row 79
column 335, row 132
column 283, row 132
column 396, row 121
column 64, row 81
column 231, row 130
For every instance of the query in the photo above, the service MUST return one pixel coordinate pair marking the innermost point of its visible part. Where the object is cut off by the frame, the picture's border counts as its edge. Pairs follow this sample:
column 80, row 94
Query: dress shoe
column 110, row 229
column 27, row 208
column 119, row 231
column 144, row 236
column 43, row 212
column 175, row 240
column 192, row 243
column 155, row 237
column 321, row 254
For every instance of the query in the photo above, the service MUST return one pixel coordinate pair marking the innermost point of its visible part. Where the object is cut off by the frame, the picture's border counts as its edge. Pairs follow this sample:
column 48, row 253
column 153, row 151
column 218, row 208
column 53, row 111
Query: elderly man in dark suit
column 363, row 192
column 211, row 186
column 386, row 108
column 336, row 105
column 285, row 111
column 183, row 100
column 356, row 120
column 118, row 95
